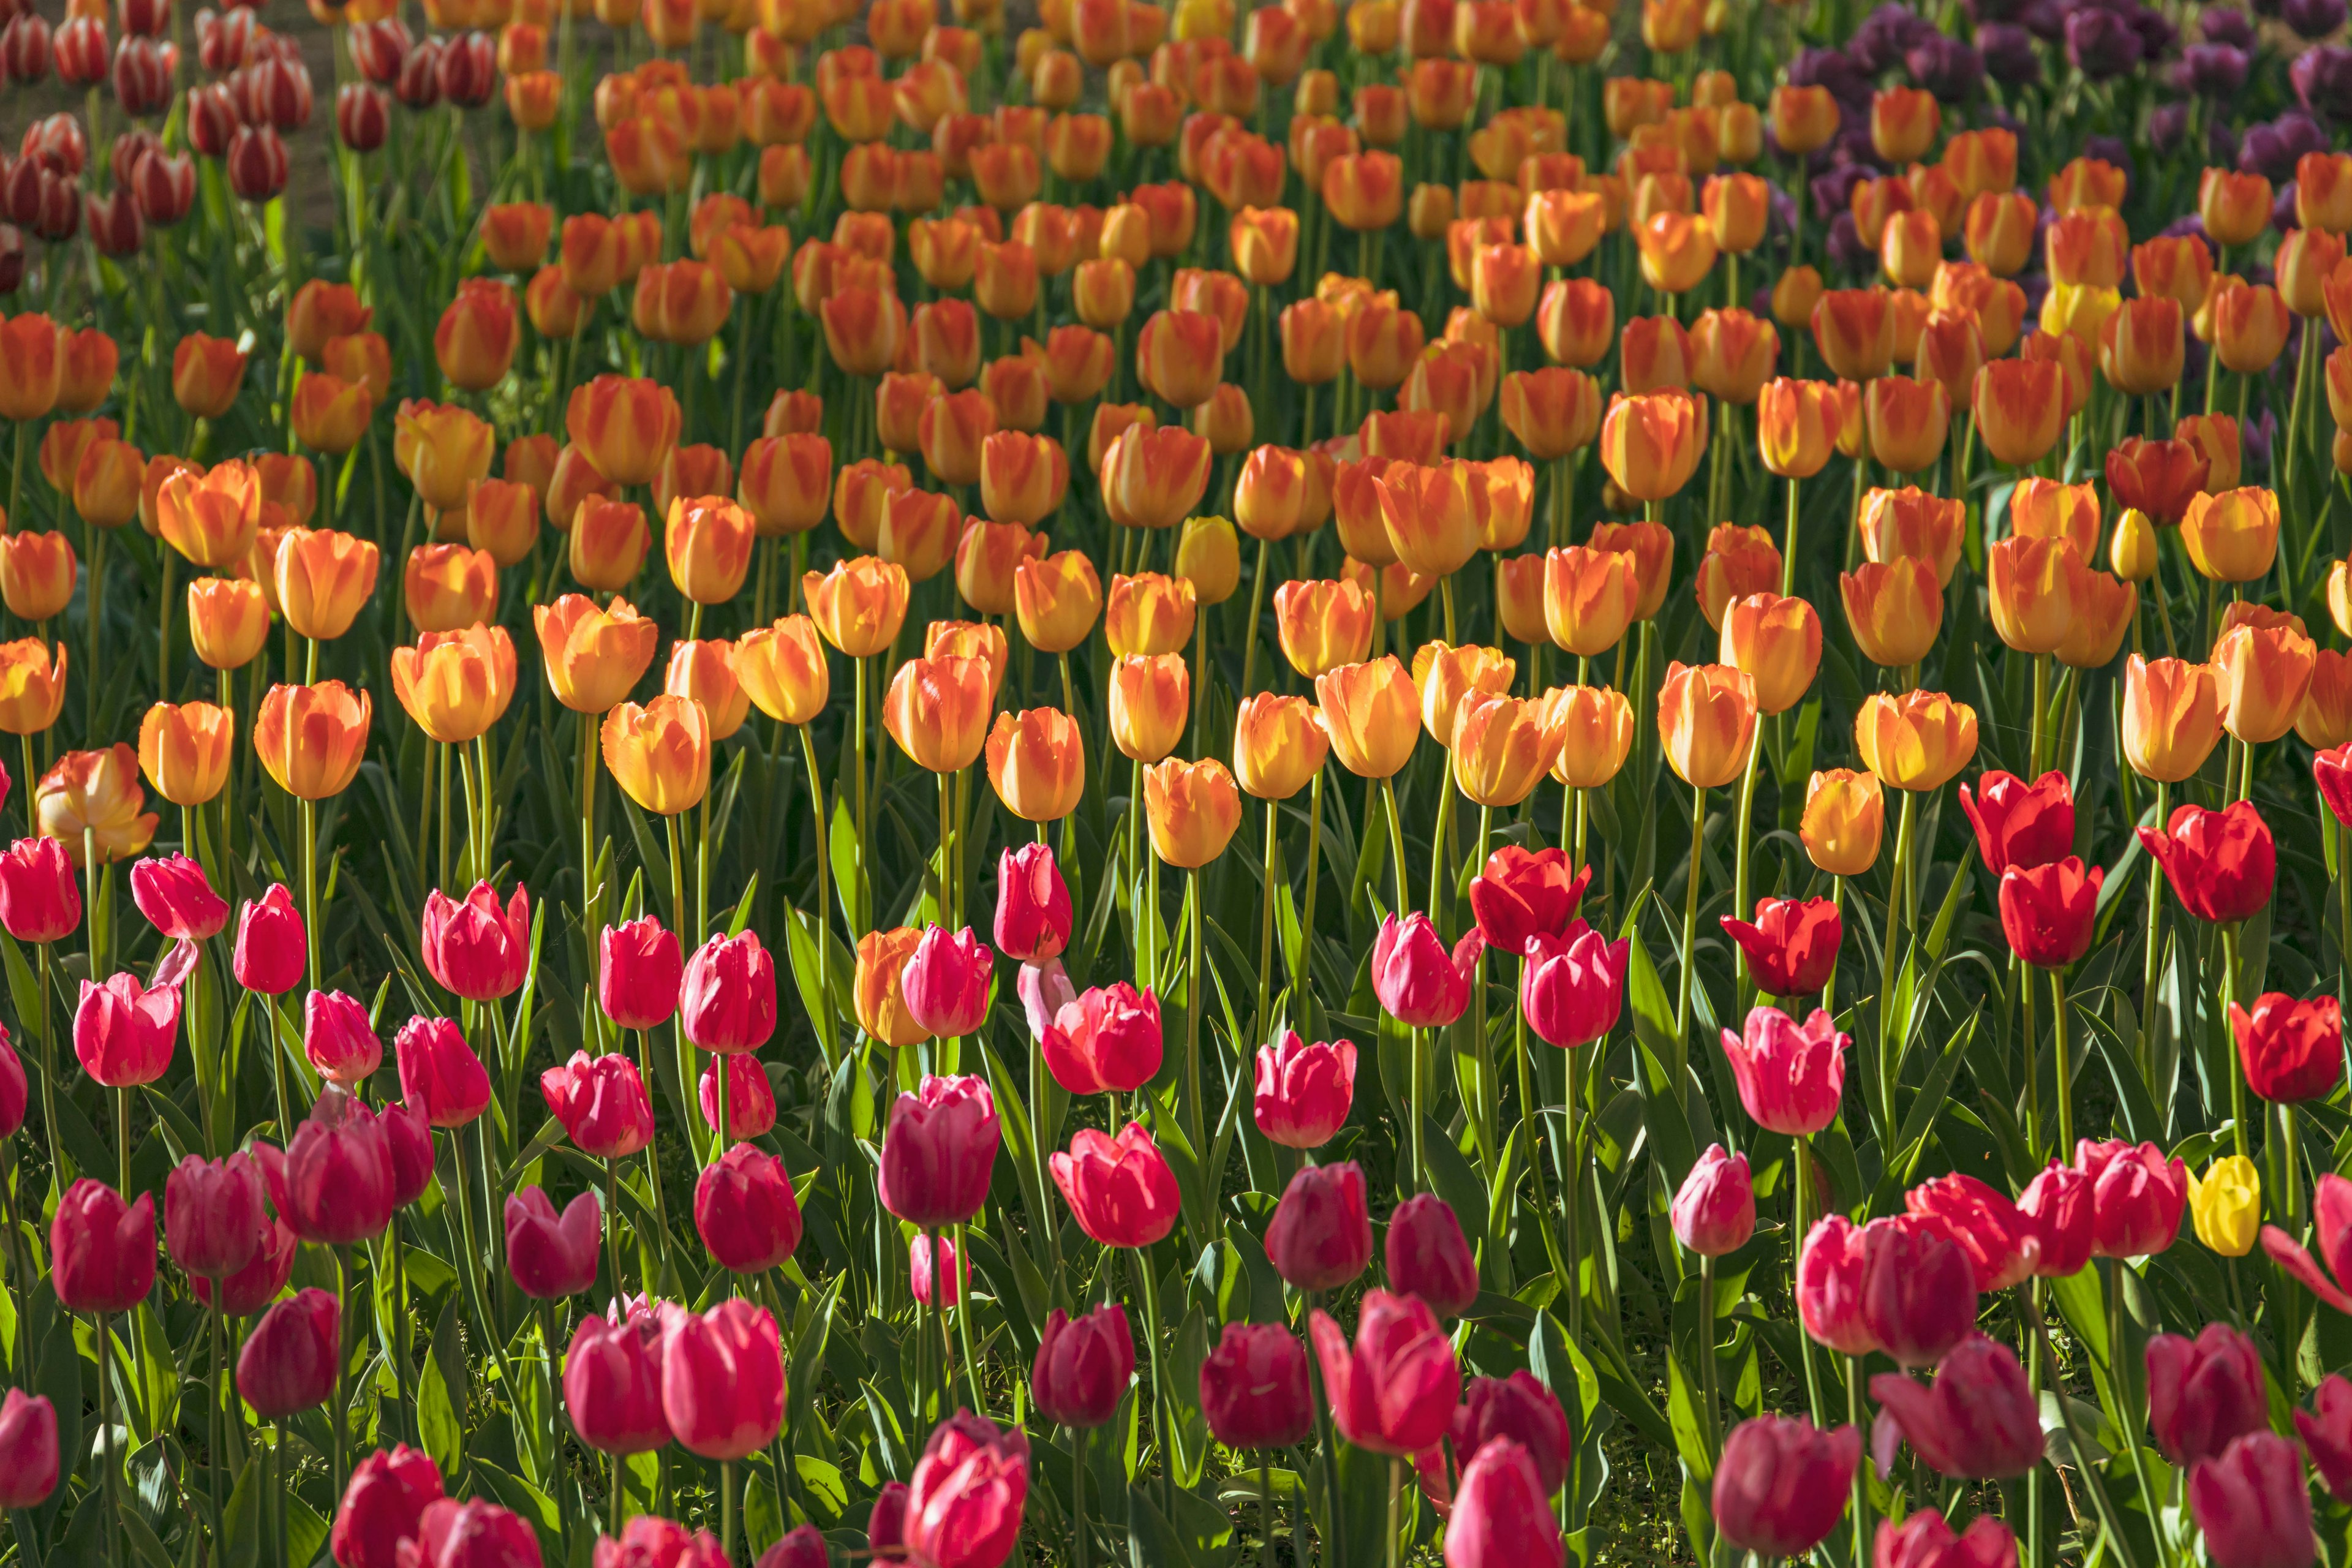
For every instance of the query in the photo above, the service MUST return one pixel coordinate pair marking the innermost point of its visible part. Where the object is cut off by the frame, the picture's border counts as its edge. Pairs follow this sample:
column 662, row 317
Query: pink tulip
column 439, row 1073
column 945, row 982
column 2136, row 1197
column 1573, row 985
column 476, row 949
column 803, row 1546
column 1394, row 1391
column 14, row 1092
column 1829, row 1286
column 1083, row 1367
column 1321, row 1234
column 1304, row 1091
column 745, row 1210
column 1789, row 1076
column 40, row 899
column 1924, row 1540
column 338, row 1039
column 1121, row 1189
column 639, row 974
column 1782, row 1483
column 102, row 1250
column 475, row 1534
column 1977, row 1421
column 214, row 1222
column 337, row 1175
column 177, row 898
column 383, row 1504
column 2205, row 1393
column 1033, row 905
column 1499, row 1517
column 1418, row 982
column 751, row 1097
column 258, row 1283
column 1108, row 1039
column 723, row 1380
column 272, row 951
column 409, row 1139
column 550, row 1257
column 1713, row 1212
column 612, row 1382
column 936, row 1273
column 938, row 1150
column 289, row 1360
column 1918, row 1290
column 970, row 1487
column 2003, row 1243
column 728, row 1001
column 649, row 1540
column 1254, row 1387
column 601, row 1103
column 2326, row 1430
column 1427, row 1256
column 28, row 1451
column 2253, row 1505
column 2060, row 1204
column 124, row 1032
column 1520, row 1408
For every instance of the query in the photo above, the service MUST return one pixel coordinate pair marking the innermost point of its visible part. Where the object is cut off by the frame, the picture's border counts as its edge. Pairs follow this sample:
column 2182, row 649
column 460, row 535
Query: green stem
column 1690, row 918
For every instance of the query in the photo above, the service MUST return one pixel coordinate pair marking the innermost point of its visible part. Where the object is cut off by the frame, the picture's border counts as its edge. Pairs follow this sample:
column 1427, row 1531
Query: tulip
column 2253, row 1506
column 1427, row 1257
column 451, row 1534
column 2061, row 1202
column 1978, row 1420
column 1917, row 1288
column 1781, row 1484
column 382, row 1506
column 1651, row 442
column 476, row 949
column 1915, row 741
column 311, row 737
column 2291, row 1050
column 1714, row 1211
column 1106, row 1039
column 213, row 1223
column 1706, row 722
column 2221, row 864
column 2172, row 717
column 2136, row 1197
column 601, row 1102
column 548, row 1257
column 965, row 1507
column 1254, row 1389
column 1572, row 985
column 938, row 1148
column 1121, row 1189
column 1393, row 1392
column 2226, row 1207
column 1777, row 643
column 1791, row 948
column 2046, row 911
column 1520, row 1410
column 1520, row 894
column 612, row 1383
column 2018, row 823
column 1789, row 1076
column 2232, row 536
column 289, row 1361
column 270, row 947
column 723, row 1380
column 177, row 900
column 40, row 900
column 2002, row 1243
column 1371, row 711
column 124, row 1032
column 1083, row 1367
column 339, row 1039
column 2204, row 1393
column 439, row 1073
column 2020, row 407
column 1499, row 1515
column 744, row 1208
column 1418, row 982
column 1320, row 1237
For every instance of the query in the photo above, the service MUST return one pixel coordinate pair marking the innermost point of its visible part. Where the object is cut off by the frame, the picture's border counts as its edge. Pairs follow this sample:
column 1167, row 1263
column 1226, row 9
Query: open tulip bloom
column 834, row 748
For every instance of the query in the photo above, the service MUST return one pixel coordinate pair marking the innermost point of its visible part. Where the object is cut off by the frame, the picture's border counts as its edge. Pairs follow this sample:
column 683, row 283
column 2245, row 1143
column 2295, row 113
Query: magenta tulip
column 475, row 1534
column 1521, row 1409
column 751, row 1097
column 1254, row 1387
column 551, row 1256
column 1427, row 1256
column 1714, row 1211
column 2061, row 1205
column 289, row 1360
column 2137, row 1197
column 723, row 1380
column 1418, row 982
column 1781, row 1484
column 803, row 1546
column 612, row 1383
column 28, row 1451
column 639, row 971
column 214, row 1222
column 945, row 983
column 1924, row 1540
column 601, row 1103
column 1304, row 1091
column 1121, row 1189
column 383, row 1505
column 177, row 898
column 2204, row 1393
column 439, row 1073
column 649, row 1540
column 1033, row 905
column 478, row 950
column 1083, row 1367
column 40, row 899
column 1829, row 1286
column 1918, row 1290
column 936, row 1273
column 745, row 1210
column 2253, row 1505
column 124, row 1032
column 1979, row 1420
column 338, row 1181
column 409, row 1139
column 257, row 1284
column 971, row 1487
column 102, row 1250
column 1790, row 1076
column 2003, row 1245
column 1321, row 1234
column 1394, row 1390
column 1573, row 985
column 1106, row 1039
column 339, row 1039
column 1500, row 1518
column 729, row 1000
column 272, row 951
column 938, row 1149
column 2326, row 1429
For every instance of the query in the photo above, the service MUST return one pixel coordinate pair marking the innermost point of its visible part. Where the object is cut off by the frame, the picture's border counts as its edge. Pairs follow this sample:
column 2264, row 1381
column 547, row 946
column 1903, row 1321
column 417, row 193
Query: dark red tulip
column 1033, row 905
column 288, row 1362
column 551, row 1256
column 338, row 1039
column 474, row 1534
column 1121, row 1189
column 22, row 189
column 2063, row 1207
column 2292, row 1050
column 128, row 148
column 1304, row 1091
column 2020, row 823
column 115, row 226
column 1572, row 986
column 409, row 1137
column 1083, row 1367
column 277, row 93
column 2002, row 1243
column 640, row 969
column 723, row 1380
column 938, row 1149
column 28, row 1449
column 256, row 164
column 1829, row 1286
column 1394, row 1390
column 612, row 1383
column 601, row 1103
column 945, row 983
column 1321, row 1234
column 419, row 84
column 475, row 949
column 745, row 1210
column 57, row 142
column 1254, row 1387
column 1924, row 1540
column 935, row 1273
column 1521, row 1409
column 1108, row 1039
column 11, row 258
column 1782, row 1483
column 2137, row 1197
column 751, row 1097
column 39, row 898
column 469, row 70
column 338, row 1181
column 1418, row 982
column 143, row 18
column 1521, row 894
column 387, row 1495
column 26, row 49
column 2253, row 1505
column 970, row 1487
column 143, row 74
column 2204, row 1393
column 257, row 1284
column 1979, row 1420
column 1918, row 1290
column 14, row 1090
column 2326, row 1429
column 886, row 1522
column 124, row 1032
column 377, row 49
column 802, row 1547
column 213, row 119
column 1500, row 1518
column 223, row 38
column 1713, row 1212
column 214, row 1221
column 81, row 51
column 59, row 217
column 1426, row 1256
column 2331, row 771
column 271, row 951
column 439, row 1073
column 2221, row 864
column 1792, row 947
column 362, row 116
column 2047, row 912
column 729, row 1000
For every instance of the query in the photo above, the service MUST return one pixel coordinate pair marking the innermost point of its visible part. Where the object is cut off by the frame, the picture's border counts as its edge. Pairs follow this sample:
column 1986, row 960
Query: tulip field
column 799, row 782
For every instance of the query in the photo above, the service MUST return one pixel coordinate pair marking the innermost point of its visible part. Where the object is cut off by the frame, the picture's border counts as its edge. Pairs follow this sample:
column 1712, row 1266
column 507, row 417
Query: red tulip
column 177, row 898
column 1121, row 1189
column 214, row 1222
column 477, row 949
column 1573, row 985
column 936, row 1273
column 2047, row 912
column 1521, row 894
column 1304, row 1091
column 745, row 1210
column 39, row 898
column 729, row 1000
column 2326, row 1430
column 2221, row 864
column 14, row 1090
column 271, row 954
column 2331, row 1214
column 1924, row 1540
column 2061, row 1203
column 723, row 1380
column 1426, row 1255
column 639, row 974
column 2020, row 823
column 2002, row 1243
column 2205, row 1393
column 1918, row 1290
column 1083, row 1367
column 2331, row 771
column 1521, row 1409
column 2291, row 1050
column 970, row 1489
column 439, row 1073
column 1033, row 905
column 938, row 1149
column 803, row 1546
column 1829, row 1286
column 1789, row 1076
column 1500, row 1518
column 2253, row 1505
column 1979, row 1420
column 1782, row 1483
column 751, row 1097
column 886, row 1522
column 409, row 1137
column 1321, row 1234
column 338, row 1039
column 1792, row 947
column 289, row 1360
column 649, row 1540
column 451, row 1534
column 601, row 1103
column 551, row 1257
column 612, row 1383
column 337, row 1183
column 1394, row 1391
column 1714, row 1211
column 1106, row 1039
column 2137, row 1197
column 1254, row 1387
column 101, row 1251
column 1419, row 984
column 124, row 1032
column 28, row 1449
column 945, row 982
column 255, row 1285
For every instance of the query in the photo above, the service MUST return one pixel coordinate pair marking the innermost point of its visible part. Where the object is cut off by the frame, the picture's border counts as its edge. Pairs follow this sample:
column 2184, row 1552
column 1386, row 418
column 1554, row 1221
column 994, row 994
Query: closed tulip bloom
column 1499, row 1514
column 1192, row 809
column 1500, row 749
column 324, row 579
column 612, row 1383
column 2221, row 864
column 859, row 605
column 1280, row 744
column 448, row 587
column 945, row 982
column 1905, row 421
column 659, row 753
column 1320, row 1237
column 2172, row 717
column 28, row 1449
column 2046, row 911
column 1792, row 946
column 2034, row 587
column 937, row 710
column 1572, row 985
column 1829, row 1286
column 1033, row 905
column 1394, row 1390
column 1789, row 1076
column 214, row 1221
column 1844, row 818
column 2137, row 1197
column 2253, row 1504
column 727, row 1003
column 1552, row 412
column 1732, row 354
column 185, row 751
column 2291, row 1050
column 1651, row 442
column 1978, row 1420
column 2231, row 537
column 1418, row 982
column 1446, row 678
column 1154, row 478
column 2226, row 1207
column 2020, row 823
column 751, row 1099
column 1149, row 613
column 1083, row 1367
column 1304, row 1091
column 90, row 801
column 2250, row 325
column 474, row 948
column 2263, row 675
column 1427, row 514
column 36, row 575
column 101, row 1251
column 1707, row 721
column 288, row 1361
column 1917, row 1288
column 877, row 988
column 1519, row 894
column 124, row 1032
column 1595, row 731
column 1918, row 740
column 550, row 1257
column 1576, row 319
column 1121, row 1189
column 2323, row 1429
column 1428, row 1259
column 1371, row 712
column 1254, row 1388
column 439, row 1073
column 1796, row 426
column 337, row 1185
column 339, row 1039
column 1855, row 329
column 1714, row 1211
column 601, row 1103
column 723, row 1380
column 2235, row 207
column 1591, row 597
column 1777, row 643
column 744, row 1207
column 2204, row 1393
column 1036, row 763
column 2020, row 407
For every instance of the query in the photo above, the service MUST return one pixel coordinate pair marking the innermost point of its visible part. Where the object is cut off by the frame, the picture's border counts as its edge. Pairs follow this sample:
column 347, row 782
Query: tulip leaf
column 2136, row 1111
column 436, row 1419
column 242, row 1518
column 1917, row 1121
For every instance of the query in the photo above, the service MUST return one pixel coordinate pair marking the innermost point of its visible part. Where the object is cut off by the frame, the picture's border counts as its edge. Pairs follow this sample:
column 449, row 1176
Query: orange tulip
column 184, row 750
column 475, row 340
column 1738, row 561
column 449, row 586
column 313, row 738
column 608, row 542
column 1732, row 354
column 1906, row 421
column 1915, row 741
column 2231, row 537
column 1036, row 763
column 2250, row 325
column 1844, row 819
column 2172, row 717
column 1056, row 600
column 1150, row 696
column 210, row 519
column 1324, row 625
column 1371, row 712
column 659, row 753
column 937, row 711
column 1590, row 597
column 2033, row 586
column 1855, row 329
column 1154, row 478
column 1796, row 426
column 1192, row 810
column 1148, row 613
column 1706, row 722
column 330, row 414
column 2020, row 408
column 107, row 482
column 455, row 684
column 32, row 685
column 442, row 449
column 2102, row 615
column 324, row 578
column 1896, row 609
column 1553, row 412
column 90, row 801
column 704, row 671
column 36, row 575
column 1444, row 678
column 206, row 372
column 1651, row 442
column 593, row 657
column 2262, row 675
column 1911, row 523
column 2235, row 207
column 1590, row 730
column 1777, row 642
